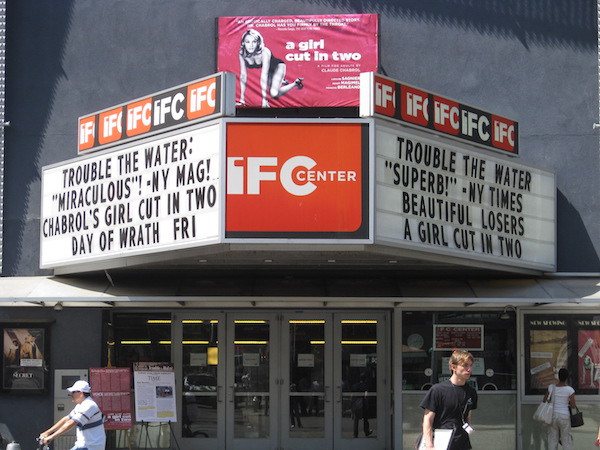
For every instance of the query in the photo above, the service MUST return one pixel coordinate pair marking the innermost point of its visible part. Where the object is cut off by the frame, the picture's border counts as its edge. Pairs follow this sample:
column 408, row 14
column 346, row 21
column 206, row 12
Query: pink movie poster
column 588, row 358
column 111, row 389
column 298, row 61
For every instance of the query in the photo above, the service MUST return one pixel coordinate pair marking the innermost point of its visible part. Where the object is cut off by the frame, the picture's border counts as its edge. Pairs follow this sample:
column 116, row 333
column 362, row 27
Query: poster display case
column 556, row 341
column 24, row 359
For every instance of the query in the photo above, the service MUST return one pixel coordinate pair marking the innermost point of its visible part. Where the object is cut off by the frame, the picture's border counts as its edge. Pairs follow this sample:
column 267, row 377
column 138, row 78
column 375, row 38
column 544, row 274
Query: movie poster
column 549, row 352
column 588, row 359
column 23, row 360
column 155, row 397
column 112, row 392
column 298, row 61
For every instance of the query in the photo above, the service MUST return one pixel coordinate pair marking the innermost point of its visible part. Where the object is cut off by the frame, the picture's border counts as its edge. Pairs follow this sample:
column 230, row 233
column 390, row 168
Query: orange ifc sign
column 184, row 104
column 297, row 180
column 424, row 109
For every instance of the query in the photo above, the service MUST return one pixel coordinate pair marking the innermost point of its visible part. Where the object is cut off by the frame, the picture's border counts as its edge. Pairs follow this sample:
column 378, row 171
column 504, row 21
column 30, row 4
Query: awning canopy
column 564, row 292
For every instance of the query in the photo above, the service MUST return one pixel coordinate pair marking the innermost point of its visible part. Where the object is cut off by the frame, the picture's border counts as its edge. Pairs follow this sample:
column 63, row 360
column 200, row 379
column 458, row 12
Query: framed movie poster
column 112, row 392
column 24, row 359
column 553, row 342
column 298, row 61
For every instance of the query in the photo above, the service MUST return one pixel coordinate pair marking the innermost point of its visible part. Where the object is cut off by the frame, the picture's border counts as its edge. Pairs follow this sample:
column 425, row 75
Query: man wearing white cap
column 86, row 416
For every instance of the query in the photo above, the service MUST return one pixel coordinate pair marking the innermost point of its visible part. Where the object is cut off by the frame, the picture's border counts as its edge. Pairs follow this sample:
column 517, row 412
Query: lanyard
column 458, row 402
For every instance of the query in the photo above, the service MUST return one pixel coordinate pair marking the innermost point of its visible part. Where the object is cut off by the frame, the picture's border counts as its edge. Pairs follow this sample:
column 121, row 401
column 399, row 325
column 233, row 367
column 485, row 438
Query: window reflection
column 307, row 371
column 359, row 378
column 199, row 372
column 251, row 390
column 494, row 367
column 138, row 337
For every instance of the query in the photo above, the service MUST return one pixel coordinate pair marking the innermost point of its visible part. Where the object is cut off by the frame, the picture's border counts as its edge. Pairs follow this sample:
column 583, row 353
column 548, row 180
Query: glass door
column 361, row 397
column 252, row 409
column 307, row 375
column 311, row 379
column 333, row 385
column 201, row 375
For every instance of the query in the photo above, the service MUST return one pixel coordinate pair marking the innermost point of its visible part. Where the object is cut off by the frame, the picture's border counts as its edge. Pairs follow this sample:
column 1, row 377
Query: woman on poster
column 254, row 55
column 29, row 349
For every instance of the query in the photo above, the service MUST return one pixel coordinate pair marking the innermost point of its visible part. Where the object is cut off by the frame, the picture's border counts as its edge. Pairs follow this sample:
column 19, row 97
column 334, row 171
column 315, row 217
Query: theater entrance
column 310, row 379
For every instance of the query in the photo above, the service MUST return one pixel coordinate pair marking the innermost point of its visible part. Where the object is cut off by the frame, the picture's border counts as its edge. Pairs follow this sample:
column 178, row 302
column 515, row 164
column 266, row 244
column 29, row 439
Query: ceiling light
column 505, row 314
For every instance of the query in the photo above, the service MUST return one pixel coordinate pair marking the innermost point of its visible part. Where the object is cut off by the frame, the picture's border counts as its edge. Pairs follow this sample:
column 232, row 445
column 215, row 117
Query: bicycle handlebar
column 41, row 445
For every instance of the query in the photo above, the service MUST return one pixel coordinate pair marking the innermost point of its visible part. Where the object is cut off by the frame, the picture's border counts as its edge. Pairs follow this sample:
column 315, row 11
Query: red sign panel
column 427, row 110
column 298, row 61
column 303, row 180
column 195, row 101
column 462, row 337
column 111, row 389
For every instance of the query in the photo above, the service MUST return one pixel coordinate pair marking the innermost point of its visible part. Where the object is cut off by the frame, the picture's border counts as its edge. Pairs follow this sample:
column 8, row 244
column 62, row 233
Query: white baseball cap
column 80, row 386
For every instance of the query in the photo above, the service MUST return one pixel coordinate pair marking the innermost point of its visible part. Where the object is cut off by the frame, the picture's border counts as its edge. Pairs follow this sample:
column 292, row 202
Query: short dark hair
column 563, row 374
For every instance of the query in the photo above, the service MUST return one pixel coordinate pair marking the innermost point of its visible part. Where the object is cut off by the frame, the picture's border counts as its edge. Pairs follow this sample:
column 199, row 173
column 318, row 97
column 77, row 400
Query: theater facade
column 234, row 248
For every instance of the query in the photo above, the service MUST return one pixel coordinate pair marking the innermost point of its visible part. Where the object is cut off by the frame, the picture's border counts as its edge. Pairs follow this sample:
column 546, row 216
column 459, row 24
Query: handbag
column 576, row 417
column 544, row 411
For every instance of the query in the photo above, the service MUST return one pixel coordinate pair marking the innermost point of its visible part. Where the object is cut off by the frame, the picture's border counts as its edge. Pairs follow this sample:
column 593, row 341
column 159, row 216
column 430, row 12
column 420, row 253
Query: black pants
column 295, row 412
column 366, row 428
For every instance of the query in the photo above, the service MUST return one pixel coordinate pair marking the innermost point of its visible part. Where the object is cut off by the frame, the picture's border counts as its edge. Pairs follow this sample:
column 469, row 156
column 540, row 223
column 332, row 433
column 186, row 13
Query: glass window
column 252, row 368
column 307, row 382
column 556, row 341
column 359, row 378
column 428, row 339
column 200, row 363
column 140, row 337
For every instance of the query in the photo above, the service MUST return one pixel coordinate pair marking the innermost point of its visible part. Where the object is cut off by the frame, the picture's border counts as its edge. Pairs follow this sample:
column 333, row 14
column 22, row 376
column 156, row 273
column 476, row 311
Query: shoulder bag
column 576, row 417
column 544, row 411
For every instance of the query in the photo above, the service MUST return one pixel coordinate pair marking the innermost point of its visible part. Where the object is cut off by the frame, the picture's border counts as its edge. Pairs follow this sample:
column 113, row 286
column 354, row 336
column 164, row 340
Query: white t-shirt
column 90, row 426
column 561, row 396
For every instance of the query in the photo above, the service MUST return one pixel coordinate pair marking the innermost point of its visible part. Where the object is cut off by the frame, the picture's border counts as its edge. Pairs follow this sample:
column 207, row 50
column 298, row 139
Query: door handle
column 219, row 394
column 327, row 393
column 339, row 394
column 232, row 396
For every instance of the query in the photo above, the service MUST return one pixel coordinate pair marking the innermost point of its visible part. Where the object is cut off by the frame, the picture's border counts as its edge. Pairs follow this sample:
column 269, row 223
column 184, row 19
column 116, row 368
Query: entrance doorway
column 290, row 380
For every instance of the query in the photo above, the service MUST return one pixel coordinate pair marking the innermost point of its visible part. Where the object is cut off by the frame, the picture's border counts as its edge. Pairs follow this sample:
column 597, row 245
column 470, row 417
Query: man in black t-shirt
column 449, row 404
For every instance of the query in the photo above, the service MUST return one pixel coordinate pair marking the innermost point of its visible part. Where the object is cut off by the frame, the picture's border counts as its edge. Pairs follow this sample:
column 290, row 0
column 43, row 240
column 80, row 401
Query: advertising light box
column 196, row 101
column 439, row 197
column 383, row 97
column 156, row 195
column 298, row 180
column 261, row 181
column 298, row 61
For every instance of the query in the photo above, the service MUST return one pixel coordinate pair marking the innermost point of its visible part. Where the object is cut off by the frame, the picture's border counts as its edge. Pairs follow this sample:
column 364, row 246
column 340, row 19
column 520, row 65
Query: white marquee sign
column 160, row 194
column 437, row 196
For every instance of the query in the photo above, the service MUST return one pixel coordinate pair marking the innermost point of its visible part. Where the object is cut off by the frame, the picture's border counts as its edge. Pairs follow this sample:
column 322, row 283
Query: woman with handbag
column 563, row 397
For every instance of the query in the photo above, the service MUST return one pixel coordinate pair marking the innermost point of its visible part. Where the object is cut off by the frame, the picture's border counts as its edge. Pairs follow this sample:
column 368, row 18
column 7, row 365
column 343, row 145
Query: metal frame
column 3, row 122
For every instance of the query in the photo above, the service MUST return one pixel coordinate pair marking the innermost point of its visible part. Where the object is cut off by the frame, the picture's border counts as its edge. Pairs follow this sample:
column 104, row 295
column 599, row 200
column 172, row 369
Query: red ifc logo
column 446, row 115
column 294, row 177
column 385, row 97
column 504, row 133
column 415, row 105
